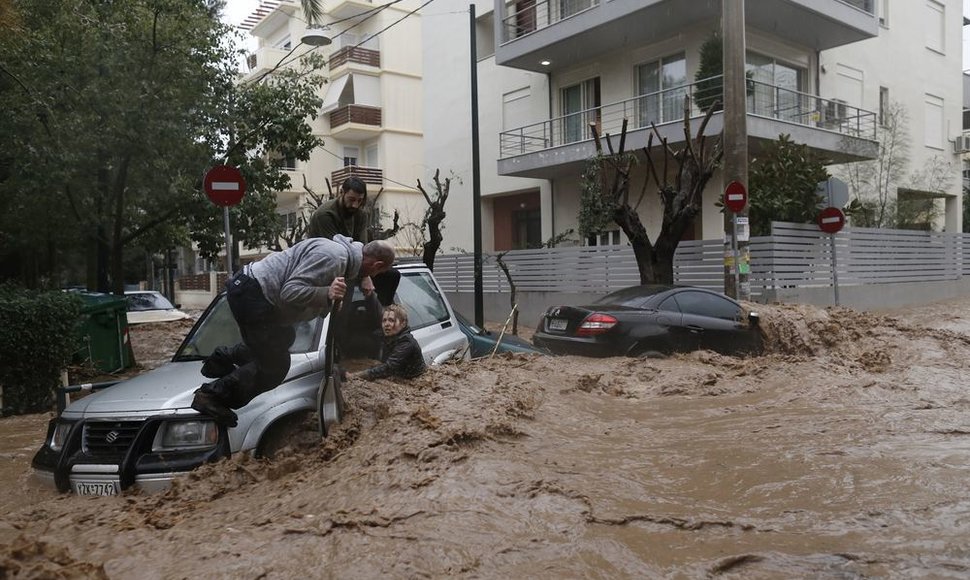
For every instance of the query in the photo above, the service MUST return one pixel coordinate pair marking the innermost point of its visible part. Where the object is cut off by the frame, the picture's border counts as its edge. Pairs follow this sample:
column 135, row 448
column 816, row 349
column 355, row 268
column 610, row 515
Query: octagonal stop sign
column 224, row 185
column 735, row 196
column 831, row 220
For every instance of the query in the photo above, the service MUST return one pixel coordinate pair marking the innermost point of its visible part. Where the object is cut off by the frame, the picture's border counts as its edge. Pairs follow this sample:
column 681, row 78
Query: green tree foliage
column 112, row 114
column 37, row 342
column 782, row 181
column 596, row 210
column 709, row 79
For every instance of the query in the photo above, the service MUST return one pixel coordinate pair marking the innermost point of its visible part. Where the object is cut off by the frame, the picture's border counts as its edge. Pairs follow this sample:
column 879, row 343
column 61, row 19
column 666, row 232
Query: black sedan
column 643, row 320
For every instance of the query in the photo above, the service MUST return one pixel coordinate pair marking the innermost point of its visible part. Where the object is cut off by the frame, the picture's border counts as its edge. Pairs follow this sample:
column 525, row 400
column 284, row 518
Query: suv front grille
column 110, row 439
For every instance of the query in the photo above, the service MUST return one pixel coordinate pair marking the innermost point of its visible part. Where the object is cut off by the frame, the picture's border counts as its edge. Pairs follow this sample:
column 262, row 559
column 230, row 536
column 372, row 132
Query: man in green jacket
column 346, row 215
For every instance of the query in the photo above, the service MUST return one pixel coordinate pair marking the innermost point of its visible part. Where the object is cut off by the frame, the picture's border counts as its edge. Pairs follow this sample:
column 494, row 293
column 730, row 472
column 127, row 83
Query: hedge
column 38, row 338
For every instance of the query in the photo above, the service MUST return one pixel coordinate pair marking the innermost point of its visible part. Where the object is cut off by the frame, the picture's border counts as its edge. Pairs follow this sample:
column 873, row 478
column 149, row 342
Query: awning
column 332, row 100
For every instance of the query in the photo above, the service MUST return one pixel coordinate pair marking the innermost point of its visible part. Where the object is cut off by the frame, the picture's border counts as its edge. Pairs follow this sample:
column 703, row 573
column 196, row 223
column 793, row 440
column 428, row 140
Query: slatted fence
column 793, row 256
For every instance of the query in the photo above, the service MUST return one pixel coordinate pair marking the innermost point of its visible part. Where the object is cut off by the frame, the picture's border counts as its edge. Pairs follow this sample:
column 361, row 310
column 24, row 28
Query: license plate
column 557, row 324
column 95, row 488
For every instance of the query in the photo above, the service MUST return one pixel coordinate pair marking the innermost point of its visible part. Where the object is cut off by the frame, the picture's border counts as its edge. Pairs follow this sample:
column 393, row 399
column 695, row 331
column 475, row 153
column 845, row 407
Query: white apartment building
column 372, row 116
column 818, row 70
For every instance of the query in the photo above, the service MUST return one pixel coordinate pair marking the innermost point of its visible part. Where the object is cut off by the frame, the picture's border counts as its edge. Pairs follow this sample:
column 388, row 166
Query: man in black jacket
column 400, row 353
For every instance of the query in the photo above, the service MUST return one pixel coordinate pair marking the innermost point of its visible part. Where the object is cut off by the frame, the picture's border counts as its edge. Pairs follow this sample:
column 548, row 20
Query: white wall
column 900, row 60
column 447, row 126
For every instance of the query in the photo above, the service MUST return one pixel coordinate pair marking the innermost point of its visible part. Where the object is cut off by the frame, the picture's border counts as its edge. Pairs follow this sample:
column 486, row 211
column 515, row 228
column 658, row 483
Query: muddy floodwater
column 844, row 452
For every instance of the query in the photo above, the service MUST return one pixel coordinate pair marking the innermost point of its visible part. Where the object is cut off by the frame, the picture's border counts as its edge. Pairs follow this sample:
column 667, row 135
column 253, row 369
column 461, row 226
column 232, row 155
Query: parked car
column 642, row 320
column 481, row 342
column 142, row 432
column 151, row 306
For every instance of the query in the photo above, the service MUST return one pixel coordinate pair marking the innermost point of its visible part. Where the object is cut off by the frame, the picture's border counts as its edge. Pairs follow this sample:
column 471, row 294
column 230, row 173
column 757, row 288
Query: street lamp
column 317, row 36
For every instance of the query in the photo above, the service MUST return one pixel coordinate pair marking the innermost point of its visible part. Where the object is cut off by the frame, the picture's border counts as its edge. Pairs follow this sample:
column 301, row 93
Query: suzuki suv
column 142, row 432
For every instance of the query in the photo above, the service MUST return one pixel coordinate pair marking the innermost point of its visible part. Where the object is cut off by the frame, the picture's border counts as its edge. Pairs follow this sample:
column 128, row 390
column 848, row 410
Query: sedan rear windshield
column 633, row 296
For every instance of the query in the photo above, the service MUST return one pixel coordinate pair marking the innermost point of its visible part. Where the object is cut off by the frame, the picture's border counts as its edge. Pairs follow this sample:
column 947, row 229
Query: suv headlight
column 174, row 435
column 61, row 429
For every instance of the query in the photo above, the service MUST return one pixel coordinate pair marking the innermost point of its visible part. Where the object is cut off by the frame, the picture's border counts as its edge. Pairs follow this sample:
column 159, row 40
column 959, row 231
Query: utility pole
column 476, row 178
column 737, row 255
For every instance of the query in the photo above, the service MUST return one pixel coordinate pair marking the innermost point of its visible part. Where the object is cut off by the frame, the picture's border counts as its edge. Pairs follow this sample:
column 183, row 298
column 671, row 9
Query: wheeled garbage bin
column 104, row 332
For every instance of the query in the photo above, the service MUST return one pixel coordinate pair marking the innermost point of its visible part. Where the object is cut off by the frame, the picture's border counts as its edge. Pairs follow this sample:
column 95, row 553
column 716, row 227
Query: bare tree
column 876, row 185
column 434, row 216
column 679, row 175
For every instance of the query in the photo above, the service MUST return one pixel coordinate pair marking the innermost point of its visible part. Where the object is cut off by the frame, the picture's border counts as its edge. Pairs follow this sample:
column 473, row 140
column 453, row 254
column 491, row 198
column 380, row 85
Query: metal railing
column 667, row 106
column 526, row 16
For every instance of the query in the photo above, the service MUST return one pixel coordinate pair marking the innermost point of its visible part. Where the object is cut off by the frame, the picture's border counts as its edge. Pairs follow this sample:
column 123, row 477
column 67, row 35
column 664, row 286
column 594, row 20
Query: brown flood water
column 843, row 453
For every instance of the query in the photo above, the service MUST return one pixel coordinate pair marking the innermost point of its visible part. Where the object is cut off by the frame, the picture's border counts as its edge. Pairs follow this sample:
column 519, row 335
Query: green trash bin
column 104, row 332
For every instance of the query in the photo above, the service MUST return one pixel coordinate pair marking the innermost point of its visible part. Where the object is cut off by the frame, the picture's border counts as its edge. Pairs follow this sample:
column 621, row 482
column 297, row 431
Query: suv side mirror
column 753, row 318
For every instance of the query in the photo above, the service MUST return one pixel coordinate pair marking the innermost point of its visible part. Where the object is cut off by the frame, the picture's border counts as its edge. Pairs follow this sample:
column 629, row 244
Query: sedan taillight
column 596, row 324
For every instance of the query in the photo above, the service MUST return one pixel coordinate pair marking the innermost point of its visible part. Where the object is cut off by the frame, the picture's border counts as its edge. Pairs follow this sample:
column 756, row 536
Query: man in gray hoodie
column 266, row 298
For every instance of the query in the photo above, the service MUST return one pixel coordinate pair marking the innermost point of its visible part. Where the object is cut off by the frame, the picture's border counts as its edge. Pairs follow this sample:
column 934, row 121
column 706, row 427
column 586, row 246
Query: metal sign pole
column 835, row 269
column 737, row 258
column 225, row 223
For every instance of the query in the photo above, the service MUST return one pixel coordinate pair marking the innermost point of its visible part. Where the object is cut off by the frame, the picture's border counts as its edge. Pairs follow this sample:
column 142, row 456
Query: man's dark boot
column 218, row 364
column 207, row 404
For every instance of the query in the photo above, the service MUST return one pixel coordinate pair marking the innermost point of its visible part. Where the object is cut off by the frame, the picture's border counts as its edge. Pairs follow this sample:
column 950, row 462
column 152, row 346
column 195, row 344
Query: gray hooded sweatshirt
column 297, row 280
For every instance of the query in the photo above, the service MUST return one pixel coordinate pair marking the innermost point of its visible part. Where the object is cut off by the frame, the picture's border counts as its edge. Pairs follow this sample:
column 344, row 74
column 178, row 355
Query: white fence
column 789, row 265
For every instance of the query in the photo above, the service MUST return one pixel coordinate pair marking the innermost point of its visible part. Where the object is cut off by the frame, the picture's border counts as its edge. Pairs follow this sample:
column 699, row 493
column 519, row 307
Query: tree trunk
column 431, row 247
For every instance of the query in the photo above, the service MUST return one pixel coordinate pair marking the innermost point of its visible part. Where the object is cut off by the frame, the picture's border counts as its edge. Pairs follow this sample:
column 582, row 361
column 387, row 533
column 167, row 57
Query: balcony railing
column 363, row 114
column 359, row 55
column 527, row 16
column 370, row 175
column 667, row 106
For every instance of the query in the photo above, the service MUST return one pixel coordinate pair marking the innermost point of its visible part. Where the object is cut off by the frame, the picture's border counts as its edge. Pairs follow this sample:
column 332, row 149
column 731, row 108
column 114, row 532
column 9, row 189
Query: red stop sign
column 224, row 185
column 831, row 220
column 735, row 196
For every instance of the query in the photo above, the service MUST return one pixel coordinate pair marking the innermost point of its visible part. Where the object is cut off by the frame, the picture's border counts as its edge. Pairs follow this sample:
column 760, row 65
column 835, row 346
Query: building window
column 933, row 121
column 662, row 84
column 883, row 106
column 884, row 13
column 935, row 23
column 775, row 86
column 351, row 156
column 287, row 163
column 580, row 108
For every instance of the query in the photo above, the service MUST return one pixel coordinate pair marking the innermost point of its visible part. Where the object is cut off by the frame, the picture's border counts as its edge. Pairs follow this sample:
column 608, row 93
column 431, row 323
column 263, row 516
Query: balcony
column 356, row 55
column 264, row 59
column 355, row 122
column 369, row 175
column 341, row 9
column 836, row 130
column 565, row 32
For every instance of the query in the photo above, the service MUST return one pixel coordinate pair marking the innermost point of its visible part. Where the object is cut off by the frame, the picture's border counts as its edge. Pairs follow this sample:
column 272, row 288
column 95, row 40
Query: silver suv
column 142, row 431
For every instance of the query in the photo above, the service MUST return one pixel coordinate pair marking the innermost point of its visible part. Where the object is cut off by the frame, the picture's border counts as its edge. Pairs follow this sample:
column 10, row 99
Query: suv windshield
column 217, row 328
